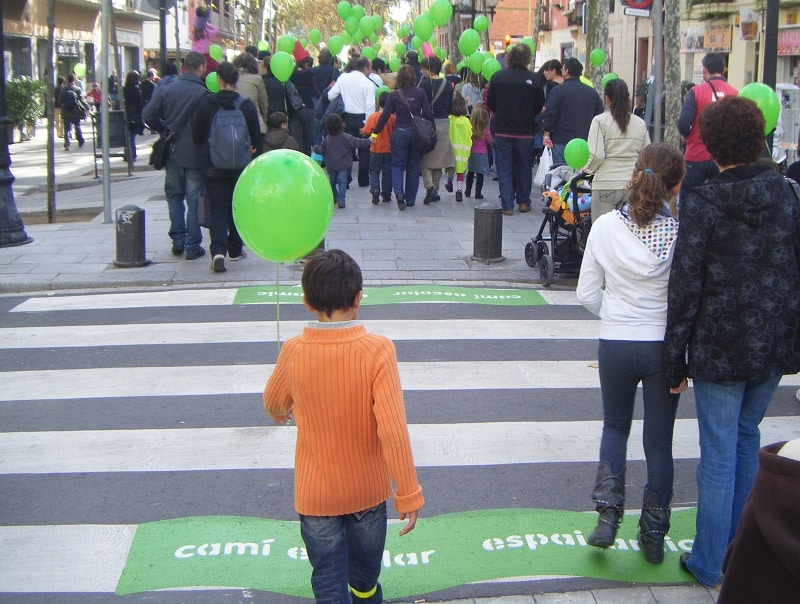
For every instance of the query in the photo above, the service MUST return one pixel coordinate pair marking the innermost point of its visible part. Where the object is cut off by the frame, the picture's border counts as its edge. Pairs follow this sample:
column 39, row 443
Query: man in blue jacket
column 570, row 109
column 171, row 108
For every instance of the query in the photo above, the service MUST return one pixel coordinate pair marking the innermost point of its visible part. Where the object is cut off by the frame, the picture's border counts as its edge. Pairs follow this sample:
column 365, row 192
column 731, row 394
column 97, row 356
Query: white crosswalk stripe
column 114, row 437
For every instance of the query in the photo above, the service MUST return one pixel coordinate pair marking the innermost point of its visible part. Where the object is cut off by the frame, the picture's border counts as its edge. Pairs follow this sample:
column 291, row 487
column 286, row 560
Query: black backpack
column 229, row 138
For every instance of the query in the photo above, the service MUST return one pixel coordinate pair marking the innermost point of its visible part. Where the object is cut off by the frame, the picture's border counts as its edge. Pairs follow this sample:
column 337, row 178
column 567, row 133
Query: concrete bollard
column 130, row 237
column 488, row 235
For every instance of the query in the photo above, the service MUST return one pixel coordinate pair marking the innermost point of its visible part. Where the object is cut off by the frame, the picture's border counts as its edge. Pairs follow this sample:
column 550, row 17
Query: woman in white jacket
column 615, row 139
column 624, row 276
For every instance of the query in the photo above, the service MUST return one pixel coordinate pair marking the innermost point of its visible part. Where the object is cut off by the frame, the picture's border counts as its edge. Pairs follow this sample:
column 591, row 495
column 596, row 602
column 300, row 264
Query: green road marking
column 442, row 552
column 402, row 294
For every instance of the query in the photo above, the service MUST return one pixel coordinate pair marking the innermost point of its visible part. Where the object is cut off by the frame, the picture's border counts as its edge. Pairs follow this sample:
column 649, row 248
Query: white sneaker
column 218, row 263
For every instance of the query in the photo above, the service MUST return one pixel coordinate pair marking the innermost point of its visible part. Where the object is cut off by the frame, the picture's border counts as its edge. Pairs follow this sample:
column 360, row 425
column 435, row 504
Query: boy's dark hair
column 170, row 68
column 378, row 64
column 70, row 78
column 252, row 50
column 714, row 63
column 333, row 124
column 382, row 98
column 276, row 119
column 194, row 60
column 227, row 73
column 459, row 105
column 331, row 281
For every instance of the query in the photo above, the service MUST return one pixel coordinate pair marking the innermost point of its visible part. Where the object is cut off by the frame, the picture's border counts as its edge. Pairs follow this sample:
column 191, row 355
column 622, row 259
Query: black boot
column 609, row 499
column 653, row 526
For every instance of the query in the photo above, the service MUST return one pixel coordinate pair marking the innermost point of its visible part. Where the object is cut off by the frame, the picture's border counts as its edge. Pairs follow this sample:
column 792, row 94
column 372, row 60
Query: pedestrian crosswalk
column 128, row 408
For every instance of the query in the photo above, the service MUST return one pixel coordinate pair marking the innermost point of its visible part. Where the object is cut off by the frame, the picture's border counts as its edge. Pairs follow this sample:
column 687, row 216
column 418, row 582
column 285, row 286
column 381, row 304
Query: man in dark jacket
column 171, row 108
column 570, row 109
column 515, row 97
column 73, row 110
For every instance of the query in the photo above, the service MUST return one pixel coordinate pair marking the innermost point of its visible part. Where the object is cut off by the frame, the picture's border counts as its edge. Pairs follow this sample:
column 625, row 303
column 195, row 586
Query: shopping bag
column 545, row 163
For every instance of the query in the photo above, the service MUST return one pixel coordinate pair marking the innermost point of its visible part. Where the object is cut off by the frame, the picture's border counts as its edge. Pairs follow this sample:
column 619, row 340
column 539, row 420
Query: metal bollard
column 130, row 237
column 488, row 236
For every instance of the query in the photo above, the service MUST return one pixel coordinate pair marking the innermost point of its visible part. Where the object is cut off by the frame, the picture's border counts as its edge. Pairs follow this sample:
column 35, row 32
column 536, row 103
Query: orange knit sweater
column 343, row 387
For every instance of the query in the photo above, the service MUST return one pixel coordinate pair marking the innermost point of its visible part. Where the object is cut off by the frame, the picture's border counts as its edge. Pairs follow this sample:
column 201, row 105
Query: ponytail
column 620, row 103
column 658, row 170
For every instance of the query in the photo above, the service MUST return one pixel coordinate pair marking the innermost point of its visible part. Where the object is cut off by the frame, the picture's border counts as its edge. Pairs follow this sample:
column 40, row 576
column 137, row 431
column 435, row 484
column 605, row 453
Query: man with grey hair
column 170, row 110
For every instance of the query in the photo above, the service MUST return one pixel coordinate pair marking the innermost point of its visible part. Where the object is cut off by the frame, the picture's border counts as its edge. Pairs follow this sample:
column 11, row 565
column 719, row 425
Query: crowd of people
column 676, row 299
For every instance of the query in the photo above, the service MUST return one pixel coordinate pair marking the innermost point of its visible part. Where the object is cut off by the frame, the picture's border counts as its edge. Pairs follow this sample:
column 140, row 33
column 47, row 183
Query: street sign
column 637, row 12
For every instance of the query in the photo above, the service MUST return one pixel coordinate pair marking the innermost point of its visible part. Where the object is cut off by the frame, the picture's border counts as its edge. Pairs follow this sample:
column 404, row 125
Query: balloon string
column 277, row 306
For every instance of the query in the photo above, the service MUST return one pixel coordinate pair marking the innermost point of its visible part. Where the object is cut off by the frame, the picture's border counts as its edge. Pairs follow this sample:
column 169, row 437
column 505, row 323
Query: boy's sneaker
column 429, row 195
column 198, row 253
column 386, row 199
column 341, row 204
column 459, row 196
column 375, row 196
column 448, row 187
column 177, row 249
column 467, row 193
column 401, row 202
column 241, row 256
column 218, row 263
column 477, row 196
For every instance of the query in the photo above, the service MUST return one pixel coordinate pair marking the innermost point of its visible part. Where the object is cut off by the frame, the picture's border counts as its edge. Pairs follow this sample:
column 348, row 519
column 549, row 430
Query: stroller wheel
column 531, row 254
column 547, row 268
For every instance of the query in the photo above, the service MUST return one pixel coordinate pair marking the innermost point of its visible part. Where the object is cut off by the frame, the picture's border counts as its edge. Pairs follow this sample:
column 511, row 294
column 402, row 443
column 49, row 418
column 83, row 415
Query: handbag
column 545, row 163
column 424, row 131
column 204, row 209
column 160, row 148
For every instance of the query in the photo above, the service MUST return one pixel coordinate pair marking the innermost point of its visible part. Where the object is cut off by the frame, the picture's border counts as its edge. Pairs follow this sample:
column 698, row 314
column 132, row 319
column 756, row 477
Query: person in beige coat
column 615, row 139
column 251, row 85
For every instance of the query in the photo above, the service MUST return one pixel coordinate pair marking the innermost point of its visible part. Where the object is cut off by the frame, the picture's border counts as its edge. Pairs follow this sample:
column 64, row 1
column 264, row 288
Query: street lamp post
column 471, row 8
column 12, row 231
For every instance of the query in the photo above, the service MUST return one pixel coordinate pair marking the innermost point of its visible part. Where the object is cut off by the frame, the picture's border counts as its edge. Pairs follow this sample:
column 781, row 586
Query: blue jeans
column 513, row 157
column 380, row 173
column 338, row 180
column 406, row 161
column 346, row 550
column 728, row 415
column 183, row 183
column 623, row 365
column 558, row 154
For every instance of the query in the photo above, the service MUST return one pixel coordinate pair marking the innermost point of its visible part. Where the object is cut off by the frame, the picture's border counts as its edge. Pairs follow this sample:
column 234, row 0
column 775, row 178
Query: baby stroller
column 567, row 217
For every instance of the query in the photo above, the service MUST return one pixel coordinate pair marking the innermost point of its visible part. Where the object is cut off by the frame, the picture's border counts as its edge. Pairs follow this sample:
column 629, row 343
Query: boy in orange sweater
column 380, row 154
column 343, row 387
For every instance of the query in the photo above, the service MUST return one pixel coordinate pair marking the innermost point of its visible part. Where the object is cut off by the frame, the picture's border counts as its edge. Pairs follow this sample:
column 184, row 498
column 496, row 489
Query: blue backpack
column 229, row 138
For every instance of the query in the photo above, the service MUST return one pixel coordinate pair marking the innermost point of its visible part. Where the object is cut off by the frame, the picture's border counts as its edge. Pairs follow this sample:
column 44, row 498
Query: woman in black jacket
column 133, row 108
column 219, row 183
column 734, row 307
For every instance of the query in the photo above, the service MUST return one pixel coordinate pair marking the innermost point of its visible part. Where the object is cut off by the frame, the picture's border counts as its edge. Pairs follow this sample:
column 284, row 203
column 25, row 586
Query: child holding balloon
column 343, row 388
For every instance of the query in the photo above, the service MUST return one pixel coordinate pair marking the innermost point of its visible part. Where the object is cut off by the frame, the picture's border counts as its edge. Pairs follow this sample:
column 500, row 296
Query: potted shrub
column 24, row 105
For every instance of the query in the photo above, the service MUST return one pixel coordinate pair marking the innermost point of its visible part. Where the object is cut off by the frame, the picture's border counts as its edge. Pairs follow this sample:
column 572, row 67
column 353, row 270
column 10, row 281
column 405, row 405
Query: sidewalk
column 429, row 243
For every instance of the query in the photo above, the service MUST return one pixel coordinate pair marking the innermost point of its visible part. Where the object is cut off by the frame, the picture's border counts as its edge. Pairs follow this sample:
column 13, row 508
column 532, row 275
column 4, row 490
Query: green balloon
column 381, row 89
column 373, row 39
column 576, row 153
column 530, row 44
column 286, row 44
column 211, row 82
column 346, row 38
column 475, row 62
column 441, row 53
column 369, row 52
column 416, row 42
column 282, row 65
column 469, row 41
column 394, row 64
column 400, row 48
column 607, row 78
column 403, row 31
column 423, row 27
column 335, row 44
column 265, row 205
column 215, row 52
column 490, row 67
column 378, row 21
column 79, row 69
column 461, row 65
column 343, row 9
column 351, row 25
column 481, row 23
column 315, row 36
column 357, row 11
column 440, row 12
column 487, row 54
column 767, row 101
column 597, row 57
column 366, row 25
column 263, row 45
